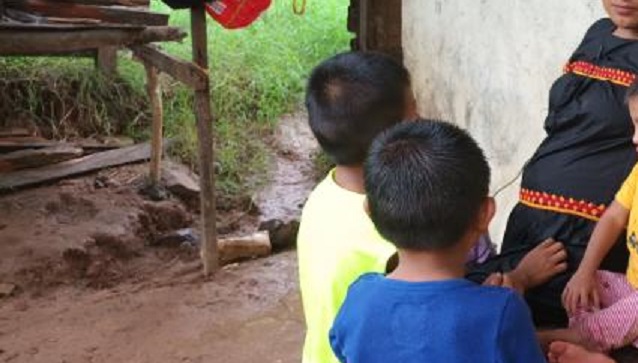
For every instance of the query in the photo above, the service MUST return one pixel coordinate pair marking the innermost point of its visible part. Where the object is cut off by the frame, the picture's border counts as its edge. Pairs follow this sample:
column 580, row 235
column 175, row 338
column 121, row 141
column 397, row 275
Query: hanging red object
column 235, row 14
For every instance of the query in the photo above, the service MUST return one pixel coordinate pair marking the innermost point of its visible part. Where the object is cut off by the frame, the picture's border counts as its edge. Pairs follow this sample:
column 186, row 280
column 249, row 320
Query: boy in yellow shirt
column 350, row 98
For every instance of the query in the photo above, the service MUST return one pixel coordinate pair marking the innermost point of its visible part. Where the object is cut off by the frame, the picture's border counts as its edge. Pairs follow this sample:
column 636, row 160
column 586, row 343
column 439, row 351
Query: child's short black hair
column 351, row 98
column 632, row 91
column 425, row 182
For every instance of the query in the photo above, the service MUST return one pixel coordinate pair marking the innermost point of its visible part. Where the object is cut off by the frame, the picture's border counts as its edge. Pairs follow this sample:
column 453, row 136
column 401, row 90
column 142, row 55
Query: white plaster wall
column 488, row 65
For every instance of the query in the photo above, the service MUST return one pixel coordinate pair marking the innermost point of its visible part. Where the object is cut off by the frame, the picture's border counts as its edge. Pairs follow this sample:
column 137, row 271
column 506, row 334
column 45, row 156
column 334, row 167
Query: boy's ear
column 486, row 214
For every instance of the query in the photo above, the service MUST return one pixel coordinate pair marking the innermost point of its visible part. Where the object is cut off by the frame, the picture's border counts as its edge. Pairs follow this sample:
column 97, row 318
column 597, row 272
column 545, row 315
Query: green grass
column 257, row 75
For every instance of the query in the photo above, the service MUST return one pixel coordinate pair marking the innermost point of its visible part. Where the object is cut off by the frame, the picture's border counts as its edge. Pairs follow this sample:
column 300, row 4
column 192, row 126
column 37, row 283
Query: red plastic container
column 235, row 14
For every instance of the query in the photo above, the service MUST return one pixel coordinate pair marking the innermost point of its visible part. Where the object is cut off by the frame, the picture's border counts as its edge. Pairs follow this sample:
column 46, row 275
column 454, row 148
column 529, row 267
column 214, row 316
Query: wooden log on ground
column 241, row 248
column 33, row 158
column 41, row 41
column 155, row 95
column 107, row 159
column 103, row 13
column 186, row 72
column 204, row 119
column 231, row 249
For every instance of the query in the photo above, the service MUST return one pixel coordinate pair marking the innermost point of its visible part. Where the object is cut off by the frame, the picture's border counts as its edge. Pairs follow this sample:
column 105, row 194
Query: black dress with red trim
column 576, row 171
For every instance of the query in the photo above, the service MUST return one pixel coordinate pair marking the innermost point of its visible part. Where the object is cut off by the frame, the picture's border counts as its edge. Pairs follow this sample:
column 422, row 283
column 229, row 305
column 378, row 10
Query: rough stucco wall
column 488, row 66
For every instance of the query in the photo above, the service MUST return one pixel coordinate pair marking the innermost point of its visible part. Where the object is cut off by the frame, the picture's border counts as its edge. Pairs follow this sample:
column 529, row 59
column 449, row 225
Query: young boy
column 603, row 306
column 427, row 188
column 350, row 98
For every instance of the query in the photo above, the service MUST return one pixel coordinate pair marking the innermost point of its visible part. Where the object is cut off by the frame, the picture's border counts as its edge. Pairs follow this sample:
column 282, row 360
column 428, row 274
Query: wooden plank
column 209, row 251
column 106, row 61
column 107, row 159
column 13, row 144
column 140, row 3
column 104, row 13
column 13, row 42
column 67, row 26
column 53, row 20
column 14, row 131
column 186, row 72
column 7, row 145
column 88, row 53
column 32, row 158
column 155, row 95
column 22, row 139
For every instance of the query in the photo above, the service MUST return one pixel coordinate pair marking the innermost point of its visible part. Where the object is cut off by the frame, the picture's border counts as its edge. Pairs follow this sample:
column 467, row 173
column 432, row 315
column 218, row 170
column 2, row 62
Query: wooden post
column 155, row 95
column 363, row 25
column 106, row 60
column 204, row 119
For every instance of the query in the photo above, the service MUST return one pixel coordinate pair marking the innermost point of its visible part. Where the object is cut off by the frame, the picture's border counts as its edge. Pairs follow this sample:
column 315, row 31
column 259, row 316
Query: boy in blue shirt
column 427, row 189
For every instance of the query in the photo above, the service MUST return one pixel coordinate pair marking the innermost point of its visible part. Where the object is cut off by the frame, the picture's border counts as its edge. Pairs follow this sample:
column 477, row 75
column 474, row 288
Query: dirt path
column 90, row 289
column 248, row 313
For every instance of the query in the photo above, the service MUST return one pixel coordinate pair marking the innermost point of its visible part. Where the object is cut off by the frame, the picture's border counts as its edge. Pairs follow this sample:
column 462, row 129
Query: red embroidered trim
column 560, row 204
column 612, row 75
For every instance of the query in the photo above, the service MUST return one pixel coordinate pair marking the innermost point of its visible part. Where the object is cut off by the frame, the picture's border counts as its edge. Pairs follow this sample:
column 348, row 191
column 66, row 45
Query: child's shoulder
column 329, row 200
column 366, row 280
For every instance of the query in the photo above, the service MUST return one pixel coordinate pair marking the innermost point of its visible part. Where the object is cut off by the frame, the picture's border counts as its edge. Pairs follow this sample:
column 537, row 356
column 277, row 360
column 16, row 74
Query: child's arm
column 581, row 291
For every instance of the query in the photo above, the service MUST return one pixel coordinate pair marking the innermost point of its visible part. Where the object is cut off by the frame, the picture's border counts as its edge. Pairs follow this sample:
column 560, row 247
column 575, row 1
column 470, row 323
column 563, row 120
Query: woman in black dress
column 582, row 161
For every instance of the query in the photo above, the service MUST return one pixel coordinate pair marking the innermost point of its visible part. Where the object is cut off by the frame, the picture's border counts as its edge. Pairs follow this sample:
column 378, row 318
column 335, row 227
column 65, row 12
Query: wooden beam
column 106, row 61
column 14, row 131
column 154, row 90
column 36, row 42
column 13, row 144
column 68, row 26
column 186, row 72
column 139, row 3
column 103, row 13
column 88, row 53
column 209, row 252
column 32, row 158
column 363, row 25
column 107, row 159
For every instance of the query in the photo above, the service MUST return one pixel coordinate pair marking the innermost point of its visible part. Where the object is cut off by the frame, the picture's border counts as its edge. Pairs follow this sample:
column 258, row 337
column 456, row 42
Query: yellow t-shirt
column 628, row 198
column 337, row 242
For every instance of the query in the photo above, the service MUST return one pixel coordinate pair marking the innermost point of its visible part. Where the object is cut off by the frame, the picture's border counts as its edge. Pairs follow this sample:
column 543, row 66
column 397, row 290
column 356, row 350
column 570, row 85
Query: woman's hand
column 581, row 292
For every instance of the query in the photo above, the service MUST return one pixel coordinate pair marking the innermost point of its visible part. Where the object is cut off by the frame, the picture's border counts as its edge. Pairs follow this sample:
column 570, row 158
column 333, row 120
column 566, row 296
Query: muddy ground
column 90, row 287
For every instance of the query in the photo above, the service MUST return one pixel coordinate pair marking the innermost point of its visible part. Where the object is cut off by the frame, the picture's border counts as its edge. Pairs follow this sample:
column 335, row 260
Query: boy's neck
column 350, row 178
column 424, row 266
column 626, row 33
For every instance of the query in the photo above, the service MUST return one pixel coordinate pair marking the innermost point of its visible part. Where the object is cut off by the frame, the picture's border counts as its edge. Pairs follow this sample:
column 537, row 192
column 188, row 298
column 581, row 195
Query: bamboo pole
column 209, row 253
column 155, row 95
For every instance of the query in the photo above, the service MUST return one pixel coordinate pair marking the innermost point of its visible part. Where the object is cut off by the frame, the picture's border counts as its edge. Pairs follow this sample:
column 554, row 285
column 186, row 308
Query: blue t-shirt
column 453, row 321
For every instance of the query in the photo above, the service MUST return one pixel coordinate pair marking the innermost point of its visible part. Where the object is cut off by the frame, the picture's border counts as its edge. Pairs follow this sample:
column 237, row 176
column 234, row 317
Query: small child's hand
column 581, row 293
column 503, row 280
column 495, row 279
